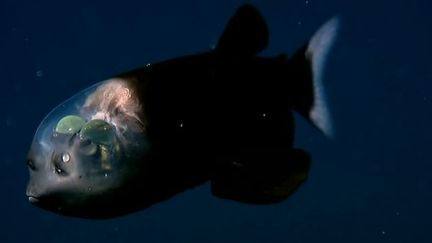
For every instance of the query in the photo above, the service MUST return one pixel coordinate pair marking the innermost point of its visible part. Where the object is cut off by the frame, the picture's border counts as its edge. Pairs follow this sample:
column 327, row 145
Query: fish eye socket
column 98, row 131
column 70, row 124
column 57, row 165
column 59, row 160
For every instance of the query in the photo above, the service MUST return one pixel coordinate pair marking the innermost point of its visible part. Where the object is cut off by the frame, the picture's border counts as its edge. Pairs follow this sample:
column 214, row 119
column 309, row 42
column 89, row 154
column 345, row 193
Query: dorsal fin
column 245, row 34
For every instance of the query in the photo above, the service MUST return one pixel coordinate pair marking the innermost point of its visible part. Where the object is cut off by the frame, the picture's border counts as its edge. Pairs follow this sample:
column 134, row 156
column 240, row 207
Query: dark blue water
column 371, row 183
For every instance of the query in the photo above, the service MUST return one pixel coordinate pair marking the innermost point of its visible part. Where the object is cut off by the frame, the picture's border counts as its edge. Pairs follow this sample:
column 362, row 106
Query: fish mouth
column 33, row 199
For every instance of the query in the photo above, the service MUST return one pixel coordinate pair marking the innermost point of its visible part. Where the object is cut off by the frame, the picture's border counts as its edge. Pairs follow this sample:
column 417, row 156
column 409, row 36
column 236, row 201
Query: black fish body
column 223, row 116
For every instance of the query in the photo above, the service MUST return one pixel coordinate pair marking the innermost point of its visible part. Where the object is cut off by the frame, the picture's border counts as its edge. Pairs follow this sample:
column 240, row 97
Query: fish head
column 88, row 150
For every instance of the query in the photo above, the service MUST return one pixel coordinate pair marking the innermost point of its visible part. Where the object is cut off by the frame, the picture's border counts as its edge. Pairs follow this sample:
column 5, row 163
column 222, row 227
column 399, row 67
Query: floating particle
column 39, row 73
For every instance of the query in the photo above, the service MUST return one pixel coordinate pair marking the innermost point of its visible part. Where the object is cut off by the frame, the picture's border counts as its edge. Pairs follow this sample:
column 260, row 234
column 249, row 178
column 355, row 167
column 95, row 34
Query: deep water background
column 371, row 183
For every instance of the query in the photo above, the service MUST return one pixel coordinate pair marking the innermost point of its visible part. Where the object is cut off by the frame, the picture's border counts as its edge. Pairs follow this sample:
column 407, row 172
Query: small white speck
column 383, row 232
column 264, row 114
column 66, row 157
column 106, row 175
column 181, row 125
column 306, row 2
column 39, row 73
column 148, row 65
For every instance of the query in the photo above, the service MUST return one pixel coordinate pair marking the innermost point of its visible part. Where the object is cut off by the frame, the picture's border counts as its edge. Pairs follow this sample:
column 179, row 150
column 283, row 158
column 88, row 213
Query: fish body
column 224, row 115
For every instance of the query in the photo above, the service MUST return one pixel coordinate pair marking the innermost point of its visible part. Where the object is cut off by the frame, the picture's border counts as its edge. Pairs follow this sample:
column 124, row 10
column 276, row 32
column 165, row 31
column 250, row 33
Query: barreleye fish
column 223, row 116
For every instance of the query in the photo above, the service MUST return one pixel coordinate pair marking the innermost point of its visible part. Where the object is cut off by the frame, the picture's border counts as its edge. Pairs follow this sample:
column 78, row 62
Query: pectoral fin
column 269, row 182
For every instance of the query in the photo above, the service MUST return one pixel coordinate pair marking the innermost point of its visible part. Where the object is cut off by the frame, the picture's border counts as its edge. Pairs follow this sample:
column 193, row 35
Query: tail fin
column 308, row 63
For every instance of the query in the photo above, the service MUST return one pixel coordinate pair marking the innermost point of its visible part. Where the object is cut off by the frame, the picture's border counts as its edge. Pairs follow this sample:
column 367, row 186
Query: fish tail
column 307, row 66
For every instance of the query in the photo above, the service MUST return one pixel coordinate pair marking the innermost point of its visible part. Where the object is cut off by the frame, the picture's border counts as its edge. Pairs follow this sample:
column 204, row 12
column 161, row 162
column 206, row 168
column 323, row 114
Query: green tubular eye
column 98, row 131
column 69, row 124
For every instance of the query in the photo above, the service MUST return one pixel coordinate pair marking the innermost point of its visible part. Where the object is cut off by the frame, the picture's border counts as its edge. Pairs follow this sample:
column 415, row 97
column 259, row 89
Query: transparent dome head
column 94, row 140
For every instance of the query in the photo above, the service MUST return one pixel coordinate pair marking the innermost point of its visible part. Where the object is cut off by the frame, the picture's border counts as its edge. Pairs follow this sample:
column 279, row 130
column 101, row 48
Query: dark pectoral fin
column 246, row 33
column 262, row 184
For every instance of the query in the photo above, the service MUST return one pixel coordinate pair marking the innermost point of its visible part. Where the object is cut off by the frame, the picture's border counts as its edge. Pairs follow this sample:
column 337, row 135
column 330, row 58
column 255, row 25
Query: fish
column 223, row 116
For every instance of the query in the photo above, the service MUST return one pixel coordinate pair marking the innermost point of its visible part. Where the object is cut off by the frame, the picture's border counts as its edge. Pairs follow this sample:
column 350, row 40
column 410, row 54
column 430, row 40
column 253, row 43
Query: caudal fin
column 308, row 64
